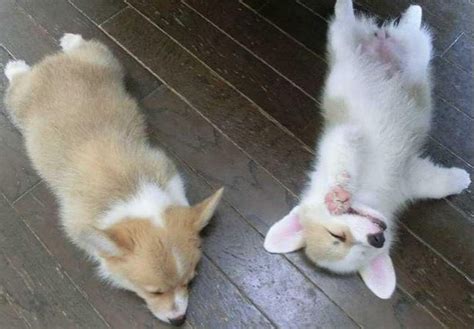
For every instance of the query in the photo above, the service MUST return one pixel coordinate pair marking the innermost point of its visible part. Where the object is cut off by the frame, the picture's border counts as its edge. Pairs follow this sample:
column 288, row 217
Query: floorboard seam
column 257, row 107
column 281, row 30
column 253, row 53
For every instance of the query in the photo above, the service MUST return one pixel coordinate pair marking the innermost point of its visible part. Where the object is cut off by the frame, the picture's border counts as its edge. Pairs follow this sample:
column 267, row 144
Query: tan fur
column 320, row 244
column 86, row 137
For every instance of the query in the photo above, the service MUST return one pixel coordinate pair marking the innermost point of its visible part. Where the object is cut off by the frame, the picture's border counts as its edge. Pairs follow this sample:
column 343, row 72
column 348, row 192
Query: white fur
column 180, row 306
column 149, row 202
column 14, row 68
column 71, row 41
column 378, row 110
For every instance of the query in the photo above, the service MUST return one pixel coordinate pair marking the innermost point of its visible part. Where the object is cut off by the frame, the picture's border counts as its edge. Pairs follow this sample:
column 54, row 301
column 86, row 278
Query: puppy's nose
column 178, row 321
column 376, row 240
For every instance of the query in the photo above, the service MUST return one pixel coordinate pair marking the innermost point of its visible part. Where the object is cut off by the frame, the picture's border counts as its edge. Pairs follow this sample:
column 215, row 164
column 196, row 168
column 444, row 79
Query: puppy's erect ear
column 379, row 276
column 113, row 242
column 98, row 241
column 203, row 211
column 286, row 235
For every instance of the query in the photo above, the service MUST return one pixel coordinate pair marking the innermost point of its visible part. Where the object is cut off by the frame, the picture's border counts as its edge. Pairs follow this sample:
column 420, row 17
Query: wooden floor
column 231, row 92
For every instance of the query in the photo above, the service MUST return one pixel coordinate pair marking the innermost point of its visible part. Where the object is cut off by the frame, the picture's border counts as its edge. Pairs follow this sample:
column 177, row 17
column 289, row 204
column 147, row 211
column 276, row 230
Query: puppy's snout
column 178, row 321
column 376, row 240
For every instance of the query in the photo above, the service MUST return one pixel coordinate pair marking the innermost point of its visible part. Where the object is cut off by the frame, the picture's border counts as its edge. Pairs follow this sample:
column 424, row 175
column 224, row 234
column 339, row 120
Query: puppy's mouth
column 380, row 223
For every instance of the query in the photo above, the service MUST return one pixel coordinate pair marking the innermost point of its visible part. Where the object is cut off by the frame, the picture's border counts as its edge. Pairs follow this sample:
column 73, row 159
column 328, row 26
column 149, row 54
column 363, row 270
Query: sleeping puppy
column 377, row 109
column 121, row 200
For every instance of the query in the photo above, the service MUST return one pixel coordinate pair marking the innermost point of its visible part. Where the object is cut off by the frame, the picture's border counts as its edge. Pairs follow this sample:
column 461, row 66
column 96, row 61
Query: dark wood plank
column 454, row 85
column 21, row 35
column 461, row 53
column 226, row 108
column 35, row 285
column 446, row 230
column 39, row 210
column 215, row 303
column 454, row 129
column 297, row 21
column 262, row 200
column 59, row 17
column 9, row 313
column 99, row 10
column 16, row 174
column 299, row 64
column 277, row 96
column 445, row 295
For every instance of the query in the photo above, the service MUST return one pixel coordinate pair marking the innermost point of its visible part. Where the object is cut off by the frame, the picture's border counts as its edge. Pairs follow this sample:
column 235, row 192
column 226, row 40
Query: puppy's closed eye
column 340, row 236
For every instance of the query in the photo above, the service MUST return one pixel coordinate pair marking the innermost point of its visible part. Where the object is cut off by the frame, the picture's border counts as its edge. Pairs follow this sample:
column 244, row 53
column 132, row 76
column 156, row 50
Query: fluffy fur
column 377, row 109
column 121, row 200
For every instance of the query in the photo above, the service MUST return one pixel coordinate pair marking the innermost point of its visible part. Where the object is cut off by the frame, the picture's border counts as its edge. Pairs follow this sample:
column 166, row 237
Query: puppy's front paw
column 338, row 200
column 458, row 181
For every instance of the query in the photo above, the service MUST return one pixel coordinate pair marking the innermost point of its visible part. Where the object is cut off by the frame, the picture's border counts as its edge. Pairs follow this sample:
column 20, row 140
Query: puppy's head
column 352, row 242
column 157, row 262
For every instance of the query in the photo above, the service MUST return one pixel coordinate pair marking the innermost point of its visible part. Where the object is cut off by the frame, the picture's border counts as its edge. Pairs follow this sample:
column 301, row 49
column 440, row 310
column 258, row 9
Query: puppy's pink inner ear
column 293, row 225
column 379, row 276
column 285, row 235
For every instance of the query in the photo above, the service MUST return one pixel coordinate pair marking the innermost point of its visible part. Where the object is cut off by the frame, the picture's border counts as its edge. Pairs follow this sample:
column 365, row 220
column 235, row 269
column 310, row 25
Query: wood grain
column 281, row 99
column 37, row 287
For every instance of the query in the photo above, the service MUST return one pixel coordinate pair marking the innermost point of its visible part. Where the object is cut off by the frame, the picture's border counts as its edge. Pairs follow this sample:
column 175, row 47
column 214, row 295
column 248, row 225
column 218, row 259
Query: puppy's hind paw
column 458, row 181
column 14, row 68
column 344, row 9
column 71, row 41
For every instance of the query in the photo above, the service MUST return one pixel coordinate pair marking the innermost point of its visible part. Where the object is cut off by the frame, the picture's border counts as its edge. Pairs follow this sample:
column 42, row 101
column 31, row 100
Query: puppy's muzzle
column 178, row 321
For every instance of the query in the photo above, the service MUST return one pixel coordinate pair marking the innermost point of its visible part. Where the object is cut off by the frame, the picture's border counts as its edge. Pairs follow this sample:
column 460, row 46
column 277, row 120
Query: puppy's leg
column 15, row 69
column 335, row 177
column 428, row 180
column 70, row 42
column 347, row 32
column 415, row 45
column 90, row 51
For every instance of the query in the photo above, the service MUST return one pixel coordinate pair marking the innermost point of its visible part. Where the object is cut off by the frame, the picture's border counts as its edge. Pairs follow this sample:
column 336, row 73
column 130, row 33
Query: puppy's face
column 157, row 262
column 352, row 242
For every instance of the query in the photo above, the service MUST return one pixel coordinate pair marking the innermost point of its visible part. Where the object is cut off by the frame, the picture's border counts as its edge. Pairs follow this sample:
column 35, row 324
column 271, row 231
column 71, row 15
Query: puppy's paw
column 14, row 68
column 71, row 41
column 338, row 200
column 458, row 181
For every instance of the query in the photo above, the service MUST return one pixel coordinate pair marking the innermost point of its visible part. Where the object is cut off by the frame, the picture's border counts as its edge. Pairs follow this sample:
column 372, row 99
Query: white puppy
column 377, row 106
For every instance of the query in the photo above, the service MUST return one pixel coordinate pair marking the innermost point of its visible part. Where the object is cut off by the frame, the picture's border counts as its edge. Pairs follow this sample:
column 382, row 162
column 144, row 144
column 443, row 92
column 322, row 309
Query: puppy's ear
column 379, row 276
column 285, row 235
column 203, row 211
column 112, row 242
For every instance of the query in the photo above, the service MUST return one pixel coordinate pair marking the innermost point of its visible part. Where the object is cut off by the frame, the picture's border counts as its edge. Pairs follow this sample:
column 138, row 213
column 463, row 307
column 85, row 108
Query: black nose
column 178, row 321
column 376, row 240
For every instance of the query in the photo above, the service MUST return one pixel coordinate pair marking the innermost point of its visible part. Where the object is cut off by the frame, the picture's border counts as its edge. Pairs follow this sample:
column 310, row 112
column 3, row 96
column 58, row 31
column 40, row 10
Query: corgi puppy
column 121, row 200
column 377, row 109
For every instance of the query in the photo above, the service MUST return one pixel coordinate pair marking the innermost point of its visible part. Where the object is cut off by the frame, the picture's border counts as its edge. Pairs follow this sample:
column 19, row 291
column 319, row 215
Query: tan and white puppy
column 377, row 106
column 121, row 200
